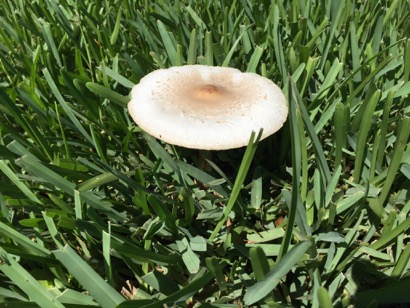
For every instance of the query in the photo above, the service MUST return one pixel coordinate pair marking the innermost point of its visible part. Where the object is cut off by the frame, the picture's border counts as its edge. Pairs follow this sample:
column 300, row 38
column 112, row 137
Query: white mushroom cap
column 205, row 107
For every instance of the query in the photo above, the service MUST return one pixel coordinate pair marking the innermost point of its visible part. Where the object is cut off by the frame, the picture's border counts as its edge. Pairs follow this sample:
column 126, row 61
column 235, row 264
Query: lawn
column 96, row 212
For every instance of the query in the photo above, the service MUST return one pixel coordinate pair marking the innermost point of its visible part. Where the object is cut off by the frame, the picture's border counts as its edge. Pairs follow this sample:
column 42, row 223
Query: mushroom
column 207, row 108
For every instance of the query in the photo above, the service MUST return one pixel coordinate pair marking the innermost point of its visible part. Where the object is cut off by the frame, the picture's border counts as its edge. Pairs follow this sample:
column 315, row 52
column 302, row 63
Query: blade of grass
column 402, row 263
column 209, row 53
column 193, row 287
column 355, row 52
column 65, row 106
column 216, row 268
column 259, row 262
column 26, row 282
column 400, row 145
column 48, row 37
column 106, row 239
column 168, row 42
column 99, row 289
column 334, row 21
column 320, row 156
column 68, row 187
column 304, row 161
column 233, row 48
column 388, row 237
column 260, row 289
column 193, row 47
column 163, row 213
column 107, row 93
column 117, row 77
column 329, row 80
column 25, row 123
column 406, row 65
column 340, row 131
column 114, row 34
column 240, row 178
column 139, row 254
column 324, row 298
column 364, row 129
column 161, row 283
column 27, row 244
column 16, row 181
column 52, row 229
column 254, row 61
column 296, row 166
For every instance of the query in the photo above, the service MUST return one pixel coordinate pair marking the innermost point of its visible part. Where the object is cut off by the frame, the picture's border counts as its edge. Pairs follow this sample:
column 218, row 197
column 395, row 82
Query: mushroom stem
column 203, row 156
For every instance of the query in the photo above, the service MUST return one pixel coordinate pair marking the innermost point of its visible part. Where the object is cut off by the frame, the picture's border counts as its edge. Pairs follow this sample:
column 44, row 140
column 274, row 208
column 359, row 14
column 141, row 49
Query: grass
column 94, row 212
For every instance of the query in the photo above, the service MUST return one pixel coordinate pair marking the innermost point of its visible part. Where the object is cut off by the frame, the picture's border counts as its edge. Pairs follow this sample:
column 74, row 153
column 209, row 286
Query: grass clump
column 95, row 212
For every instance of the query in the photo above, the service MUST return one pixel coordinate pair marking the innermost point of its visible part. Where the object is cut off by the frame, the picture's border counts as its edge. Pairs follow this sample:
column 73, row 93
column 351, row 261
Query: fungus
column 207, row 108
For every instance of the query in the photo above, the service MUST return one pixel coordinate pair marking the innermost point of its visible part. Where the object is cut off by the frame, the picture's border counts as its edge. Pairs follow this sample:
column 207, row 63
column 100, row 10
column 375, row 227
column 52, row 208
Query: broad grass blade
column 260, row 289
column 102, row 292
column 240, row 178
column 25, row 281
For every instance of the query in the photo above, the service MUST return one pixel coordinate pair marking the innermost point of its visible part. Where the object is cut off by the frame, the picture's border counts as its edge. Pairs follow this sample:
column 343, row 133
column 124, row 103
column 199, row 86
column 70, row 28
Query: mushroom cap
column 205, row 107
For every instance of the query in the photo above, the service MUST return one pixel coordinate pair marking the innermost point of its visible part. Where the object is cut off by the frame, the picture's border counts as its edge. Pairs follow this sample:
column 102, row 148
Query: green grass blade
column 355, row 52
column 228, row 57
column 65, row 106
column 193, row 287
column 160, row 153
column 132, row 251
column 387, row 237
column 169, row 44
column 203, row 177
column 368, row 78
column 240, row 178
column 106, row 238
column 260, row 289
column 16, row 181
column 114, row 34
column 52, row 229
column 402, row 263
column 304, row 160
column 209, row 53
column 48, row 37
column 296, row 166
column 27, row 245
column 216, row 268
column 330, row 189
column 320, row 156
column 384, row 128
column 406, row 65
column 364, row 129
column 163, row 213
column 324, row 298
column 193, row 47
column 338, row 10
column 276, row 43
column 400, row 145
column 102, row 292
column 329, row 80
column 26, row 282
column 25, row 123
column 340, row 122
column 109, row 94
column 259, row 263
column 117, row 77
column 161, row 282
column 254, row 61
column 190, row 259
column 68, row 187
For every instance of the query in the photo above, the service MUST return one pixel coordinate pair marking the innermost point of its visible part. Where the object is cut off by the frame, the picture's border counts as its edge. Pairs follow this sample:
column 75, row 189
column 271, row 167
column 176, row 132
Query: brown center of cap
column 208, row 93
